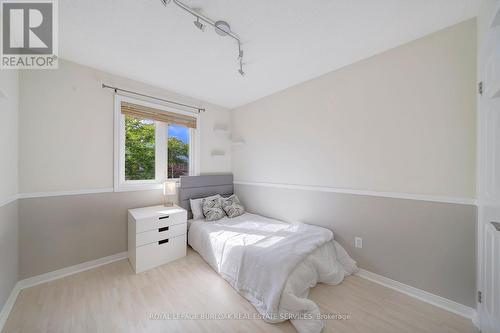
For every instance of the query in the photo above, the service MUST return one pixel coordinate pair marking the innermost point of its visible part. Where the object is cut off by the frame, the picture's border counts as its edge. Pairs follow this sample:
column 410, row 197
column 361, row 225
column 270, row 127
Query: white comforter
column 273, row 264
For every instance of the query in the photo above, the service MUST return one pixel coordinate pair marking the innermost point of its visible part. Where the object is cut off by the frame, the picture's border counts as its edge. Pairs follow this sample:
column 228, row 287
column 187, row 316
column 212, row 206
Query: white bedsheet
column 294, row 257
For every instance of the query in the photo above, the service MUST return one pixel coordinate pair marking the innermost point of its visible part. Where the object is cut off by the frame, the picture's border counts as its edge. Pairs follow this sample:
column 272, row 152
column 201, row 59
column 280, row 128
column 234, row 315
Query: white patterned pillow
column 212, row 208
column 232, row 206
column 197, row 208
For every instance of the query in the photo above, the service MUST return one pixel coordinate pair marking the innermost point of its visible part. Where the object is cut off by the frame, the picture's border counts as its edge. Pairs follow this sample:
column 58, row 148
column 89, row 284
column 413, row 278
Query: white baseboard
column 422, row 295
column 50, row 276
column 9, row 304
column 60, row 273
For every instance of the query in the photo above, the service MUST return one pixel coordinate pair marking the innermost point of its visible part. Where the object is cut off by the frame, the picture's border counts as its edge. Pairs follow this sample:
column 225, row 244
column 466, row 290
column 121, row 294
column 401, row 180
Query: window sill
column 138, row 187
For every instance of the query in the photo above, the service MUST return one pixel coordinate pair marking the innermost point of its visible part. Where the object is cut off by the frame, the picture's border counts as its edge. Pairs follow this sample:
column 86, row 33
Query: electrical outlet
column 358, row 242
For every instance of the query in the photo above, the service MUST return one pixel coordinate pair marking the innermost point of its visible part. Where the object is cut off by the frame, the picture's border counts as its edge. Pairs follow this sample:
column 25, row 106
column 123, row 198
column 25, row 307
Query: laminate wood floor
column 112, row 298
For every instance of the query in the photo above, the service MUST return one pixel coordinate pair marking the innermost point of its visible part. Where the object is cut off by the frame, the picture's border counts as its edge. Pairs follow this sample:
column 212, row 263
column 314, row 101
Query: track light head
column 199, row 25
column 165, row 2
column 242, row 73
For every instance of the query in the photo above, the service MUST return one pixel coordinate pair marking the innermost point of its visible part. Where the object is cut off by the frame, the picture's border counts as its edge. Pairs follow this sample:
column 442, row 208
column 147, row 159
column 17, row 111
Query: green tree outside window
column 178, row 158
column 140, row 151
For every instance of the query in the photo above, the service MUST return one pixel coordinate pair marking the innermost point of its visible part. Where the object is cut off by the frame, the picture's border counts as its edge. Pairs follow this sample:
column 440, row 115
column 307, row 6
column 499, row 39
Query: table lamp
column 169, row 189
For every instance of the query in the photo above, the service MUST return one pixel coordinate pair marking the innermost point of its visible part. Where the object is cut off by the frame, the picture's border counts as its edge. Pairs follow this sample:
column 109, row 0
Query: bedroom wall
column 66, row 132
column 9, row 102
column 66, row 146
column 401, row 124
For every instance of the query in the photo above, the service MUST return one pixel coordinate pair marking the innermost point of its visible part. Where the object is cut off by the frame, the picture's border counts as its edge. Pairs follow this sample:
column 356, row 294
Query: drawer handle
column 163, row 217
column 163, row 229
column 163, row 241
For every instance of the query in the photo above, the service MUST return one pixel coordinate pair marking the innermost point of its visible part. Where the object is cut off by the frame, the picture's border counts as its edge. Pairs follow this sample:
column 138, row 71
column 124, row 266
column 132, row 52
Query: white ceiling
column 285, row 41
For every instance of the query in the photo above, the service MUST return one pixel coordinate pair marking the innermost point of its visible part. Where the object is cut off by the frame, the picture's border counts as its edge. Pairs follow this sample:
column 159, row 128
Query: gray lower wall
column 57, row 232
column 8, row 250
column 427, row 245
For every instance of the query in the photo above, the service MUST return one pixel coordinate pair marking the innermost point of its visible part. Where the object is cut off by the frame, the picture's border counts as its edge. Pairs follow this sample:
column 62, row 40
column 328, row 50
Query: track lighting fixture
column 198, row 24
column 222, row 28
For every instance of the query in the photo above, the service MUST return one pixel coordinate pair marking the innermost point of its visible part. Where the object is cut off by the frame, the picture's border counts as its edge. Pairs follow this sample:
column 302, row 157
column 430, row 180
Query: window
column 152, row 143
column 139, row 149
column 178, row 151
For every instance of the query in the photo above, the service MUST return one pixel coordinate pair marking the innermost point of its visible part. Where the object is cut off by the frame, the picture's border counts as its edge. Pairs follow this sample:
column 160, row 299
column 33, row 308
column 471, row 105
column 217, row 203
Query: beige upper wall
column 402, row 121
column 9, row 103
column 66, row 129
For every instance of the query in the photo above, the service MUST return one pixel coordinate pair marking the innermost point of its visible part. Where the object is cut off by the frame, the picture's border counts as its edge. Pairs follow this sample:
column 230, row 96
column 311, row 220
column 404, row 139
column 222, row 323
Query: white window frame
column 161, row 153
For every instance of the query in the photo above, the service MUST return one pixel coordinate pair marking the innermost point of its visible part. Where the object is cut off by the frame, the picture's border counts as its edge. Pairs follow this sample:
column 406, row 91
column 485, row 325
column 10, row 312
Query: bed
column 271, row 263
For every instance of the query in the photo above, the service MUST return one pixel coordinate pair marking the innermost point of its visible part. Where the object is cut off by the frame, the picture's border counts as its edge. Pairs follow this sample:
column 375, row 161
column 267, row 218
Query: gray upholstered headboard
column 194, row 187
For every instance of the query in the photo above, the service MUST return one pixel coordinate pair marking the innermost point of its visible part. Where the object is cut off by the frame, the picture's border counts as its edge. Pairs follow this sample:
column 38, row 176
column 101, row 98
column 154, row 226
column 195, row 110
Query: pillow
column 232, row 206
column 212, row 208
column 196, row 207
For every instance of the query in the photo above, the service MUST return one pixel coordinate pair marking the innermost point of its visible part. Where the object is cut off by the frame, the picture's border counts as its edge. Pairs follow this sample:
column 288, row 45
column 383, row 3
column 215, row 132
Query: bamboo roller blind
column 144, row 112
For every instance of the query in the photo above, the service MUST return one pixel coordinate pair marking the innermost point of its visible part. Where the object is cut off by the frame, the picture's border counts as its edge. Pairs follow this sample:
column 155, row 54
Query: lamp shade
column 169, row 188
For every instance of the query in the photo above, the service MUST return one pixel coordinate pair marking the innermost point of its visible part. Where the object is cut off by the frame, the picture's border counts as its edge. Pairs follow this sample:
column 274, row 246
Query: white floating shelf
column 495, row 21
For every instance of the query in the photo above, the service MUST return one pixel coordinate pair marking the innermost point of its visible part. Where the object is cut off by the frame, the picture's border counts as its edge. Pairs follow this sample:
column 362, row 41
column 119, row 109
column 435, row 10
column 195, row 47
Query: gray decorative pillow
column 232, row 206
column 212, row 208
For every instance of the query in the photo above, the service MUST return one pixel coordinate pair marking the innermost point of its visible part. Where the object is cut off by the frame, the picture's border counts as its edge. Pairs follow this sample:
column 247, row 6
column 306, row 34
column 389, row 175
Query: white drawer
column 155, row 254
column 156, row 235
column 160, row 221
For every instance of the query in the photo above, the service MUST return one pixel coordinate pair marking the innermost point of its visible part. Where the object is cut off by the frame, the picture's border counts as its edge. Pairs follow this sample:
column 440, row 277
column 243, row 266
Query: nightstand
column 156, row 236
